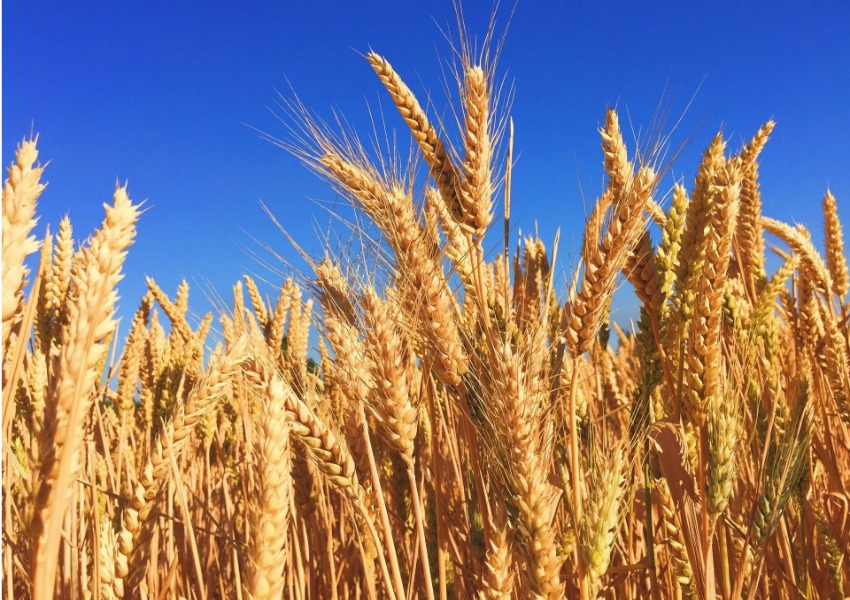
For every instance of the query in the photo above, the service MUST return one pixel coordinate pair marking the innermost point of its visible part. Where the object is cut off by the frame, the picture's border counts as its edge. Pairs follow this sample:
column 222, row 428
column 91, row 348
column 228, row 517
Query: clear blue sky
column 160, row 94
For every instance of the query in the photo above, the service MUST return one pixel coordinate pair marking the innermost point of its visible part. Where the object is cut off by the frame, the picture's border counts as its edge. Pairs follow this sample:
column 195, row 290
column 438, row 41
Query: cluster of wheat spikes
column 465, row 433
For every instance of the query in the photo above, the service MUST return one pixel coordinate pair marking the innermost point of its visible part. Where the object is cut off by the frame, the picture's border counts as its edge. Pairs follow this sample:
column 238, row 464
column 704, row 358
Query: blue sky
column 165, row 95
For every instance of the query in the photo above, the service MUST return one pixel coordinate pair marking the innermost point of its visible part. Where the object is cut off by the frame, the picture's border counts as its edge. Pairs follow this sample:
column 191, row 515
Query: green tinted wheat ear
column 599, row 527
column 20, row 192
column 724, row 436
column 671, row 235
column 832, row 554
column 786, row 466
column 432, row 147
column 836, row 262
column 75, row 376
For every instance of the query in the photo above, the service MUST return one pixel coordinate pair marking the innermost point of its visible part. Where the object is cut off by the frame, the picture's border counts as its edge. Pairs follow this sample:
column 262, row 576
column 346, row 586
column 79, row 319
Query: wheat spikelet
column 691, row 259
column 595, row 222
column 297, row 337
column 699, row 209
column 458, row 247
column 584, row 312
column 835, row 363
column 334, row 291
column 330, row 454
column 786, row 467
column 364, row 187
column 833, row 555
column 426, row 292
column 428, row 297
column 106, row 548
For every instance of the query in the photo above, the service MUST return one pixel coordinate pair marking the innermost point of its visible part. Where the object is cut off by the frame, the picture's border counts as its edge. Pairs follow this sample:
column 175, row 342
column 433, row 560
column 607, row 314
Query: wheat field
column 463, row 427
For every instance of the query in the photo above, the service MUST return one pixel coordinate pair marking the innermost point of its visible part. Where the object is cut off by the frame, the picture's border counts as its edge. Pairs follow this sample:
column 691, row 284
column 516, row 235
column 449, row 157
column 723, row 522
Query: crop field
column 433, row 414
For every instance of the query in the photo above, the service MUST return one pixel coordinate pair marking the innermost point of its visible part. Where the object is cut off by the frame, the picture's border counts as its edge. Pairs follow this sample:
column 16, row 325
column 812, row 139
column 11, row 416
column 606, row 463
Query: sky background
column 169, row 97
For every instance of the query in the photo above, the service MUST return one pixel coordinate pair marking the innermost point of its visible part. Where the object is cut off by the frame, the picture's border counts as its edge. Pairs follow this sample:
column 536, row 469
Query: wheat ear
column 749, row 239
column 432, row 147
column 477, row 185
column 836, row 262
column 497, row 579
column 269, row 507
column 20, row 192
column 599, row 527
